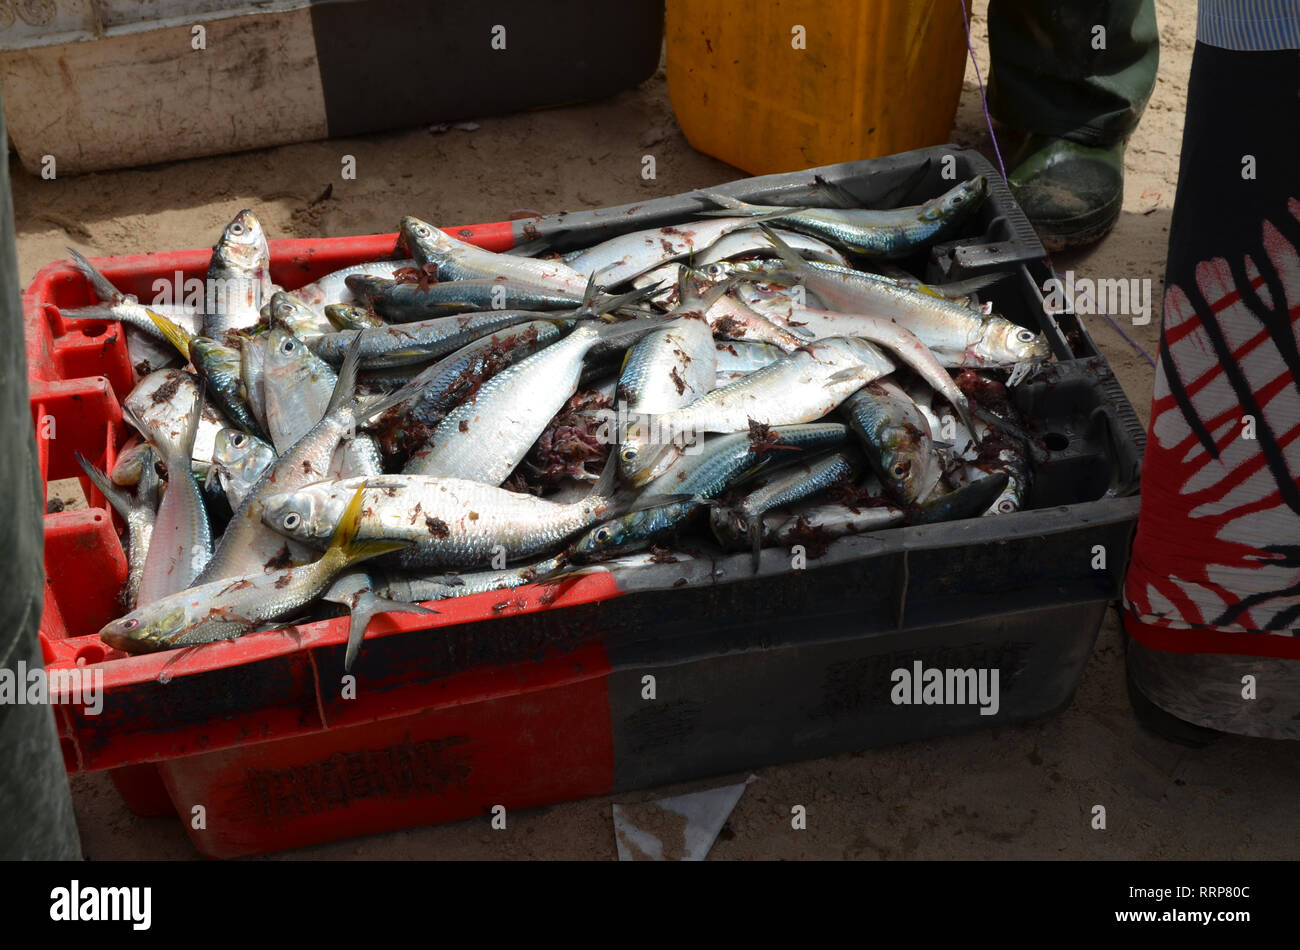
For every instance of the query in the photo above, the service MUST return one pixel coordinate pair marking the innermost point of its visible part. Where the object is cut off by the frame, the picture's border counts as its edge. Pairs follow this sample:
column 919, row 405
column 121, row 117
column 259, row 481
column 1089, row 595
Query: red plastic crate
column 249, row 728
column 536, row 695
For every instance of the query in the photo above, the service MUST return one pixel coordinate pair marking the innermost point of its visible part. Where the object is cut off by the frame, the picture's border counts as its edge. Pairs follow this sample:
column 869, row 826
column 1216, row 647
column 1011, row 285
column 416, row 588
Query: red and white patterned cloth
column 1216, row 561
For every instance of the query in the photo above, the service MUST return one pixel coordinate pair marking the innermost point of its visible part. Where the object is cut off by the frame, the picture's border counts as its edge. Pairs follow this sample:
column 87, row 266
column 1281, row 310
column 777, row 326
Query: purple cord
column 988, row 118
column 983, row 99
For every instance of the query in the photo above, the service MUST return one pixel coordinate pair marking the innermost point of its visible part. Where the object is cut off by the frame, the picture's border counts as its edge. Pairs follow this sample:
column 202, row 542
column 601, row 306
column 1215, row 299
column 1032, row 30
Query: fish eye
column 899, row 469
column 292, row 520
column 236, row 228
column 1006, row 506
column 423, row 231
column 238, row 440
column 130, row 624
column 628, row 454
column 1025, row 336
column 602, row 534
column 288, row 346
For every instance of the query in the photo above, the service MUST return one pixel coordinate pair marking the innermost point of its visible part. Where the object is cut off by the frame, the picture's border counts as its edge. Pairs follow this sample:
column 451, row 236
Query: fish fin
column 190, row 433
column 783, row 250
column 589, row 292
column 115, row 496
column 836, row 194
column 931, row 291
column 344, row 540
column 409, row 391
column 608, row 481
column 895, row 196
column 603, row 303
column 345, row 386
column 131, row 417
column 215, row 472
column 104, row 288
column 365, row 609
column 174, row 334
column 146, row 488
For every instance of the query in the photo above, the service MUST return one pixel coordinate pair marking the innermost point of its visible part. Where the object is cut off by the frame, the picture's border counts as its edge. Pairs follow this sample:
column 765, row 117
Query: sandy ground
column 1010, row 792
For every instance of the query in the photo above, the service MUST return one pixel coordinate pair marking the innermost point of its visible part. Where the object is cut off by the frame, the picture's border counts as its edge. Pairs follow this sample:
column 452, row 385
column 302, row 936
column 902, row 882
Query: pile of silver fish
column 454, row 421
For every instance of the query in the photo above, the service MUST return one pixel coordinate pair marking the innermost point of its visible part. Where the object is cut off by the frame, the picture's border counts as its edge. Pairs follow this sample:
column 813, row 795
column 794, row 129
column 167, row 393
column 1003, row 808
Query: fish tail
column 783, row 250
column 605, row 303
column 836, row 195
column 185, row 446
column 608, row 481
column 734, row 207
column 116, row 497
column 174, row 334
column 365, row 609
column 104, row 288
column 409, row 391
column 345, row 387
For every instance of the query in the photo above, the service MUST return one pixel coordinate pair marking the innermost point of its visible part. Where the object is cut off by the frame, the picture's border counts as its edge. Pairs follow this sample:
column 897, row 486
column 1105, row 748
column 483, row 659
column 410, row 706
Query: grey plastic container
column 787, row 664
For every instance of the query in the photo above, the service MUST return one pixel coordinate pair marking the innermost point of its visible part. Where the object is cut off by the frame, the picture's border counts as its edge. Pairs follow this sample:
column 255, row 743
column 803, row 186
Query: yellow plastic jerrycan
column 780, row 85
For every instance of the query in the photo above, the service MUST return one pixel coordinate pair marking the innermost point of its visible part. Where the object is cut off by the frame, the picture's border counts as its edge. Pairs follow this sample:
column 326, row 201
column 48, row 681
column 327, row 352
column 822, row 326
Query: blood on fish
column 280, row 561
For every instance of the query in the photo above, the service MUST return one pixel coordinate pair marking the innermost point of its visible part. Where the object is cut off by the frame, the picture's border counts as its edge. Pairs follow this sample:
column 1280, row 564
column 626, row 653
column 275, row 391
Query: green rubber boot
column 1071, row 193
